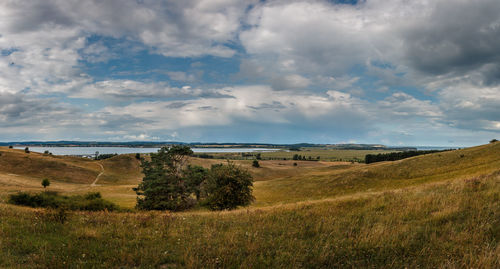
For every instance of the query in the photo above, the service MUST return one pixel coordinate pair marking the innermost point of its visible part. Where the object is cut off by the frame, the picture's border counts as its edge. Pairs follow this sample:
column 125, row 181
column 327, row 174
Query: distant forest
column 394, row 156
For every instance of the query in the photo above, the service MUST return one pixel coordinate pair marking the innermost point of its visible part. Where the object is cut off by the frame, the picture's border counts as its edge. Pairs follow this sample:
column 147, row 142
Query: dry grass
column 453, row 225
column 433, row 211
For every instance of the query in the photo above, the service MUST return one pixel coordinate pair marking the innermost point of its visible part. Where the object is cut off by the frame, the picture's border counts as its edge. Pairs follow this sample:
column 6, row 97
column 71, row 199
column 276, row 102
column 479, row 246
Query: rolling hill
column 433, row 211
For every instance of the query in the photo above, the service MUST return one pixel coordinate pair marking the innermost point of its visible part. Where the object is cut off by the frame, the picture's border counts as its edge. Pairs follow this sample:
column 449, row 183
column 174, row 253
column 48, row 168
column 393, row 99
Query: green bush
column 89, row 202
column 227, row 187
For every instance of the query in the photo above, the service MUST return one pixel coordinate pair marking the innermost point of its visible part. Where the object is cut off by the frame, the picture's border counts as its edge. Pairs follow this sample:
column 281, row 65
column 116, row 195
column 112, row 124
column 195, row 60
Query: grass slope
column 342, row 180
column 36, row 165
column 432, row 226
column 434, row 211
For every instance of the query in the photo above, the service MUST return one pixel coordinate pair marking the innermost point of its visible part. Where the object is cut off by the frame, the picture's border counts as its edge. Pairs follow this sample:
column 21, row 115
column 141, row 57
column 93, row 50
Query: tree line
column 394, row 156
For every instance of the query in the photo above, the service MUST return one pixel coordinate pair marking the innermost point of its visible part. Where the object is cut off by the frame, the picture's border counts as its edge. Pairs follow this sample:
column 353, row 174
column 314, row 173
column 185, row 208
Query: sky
column 394, row 72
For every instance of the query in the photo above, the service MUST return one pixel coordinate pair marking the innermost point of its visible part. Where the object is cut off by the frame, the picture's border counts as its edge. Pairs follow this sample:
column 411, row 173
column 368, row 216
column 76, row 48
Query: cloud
column 377, row 68
column 140, row 137
column 404, row 105
column 258, row 104
column 128, row 90
column 471, row 107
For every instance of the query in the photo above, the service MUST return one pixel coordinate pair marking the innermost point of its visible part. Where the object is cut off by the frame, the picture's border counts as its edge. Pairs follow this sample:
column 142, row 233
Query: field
column 439, row 210
column 324, row 154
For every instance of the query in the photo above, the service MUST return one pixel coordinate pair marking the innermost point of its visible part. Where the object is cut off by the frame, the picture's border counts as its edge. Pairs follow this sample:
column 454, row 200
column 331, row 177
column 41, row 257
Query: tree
column 45, row 183
column 493, row 140
column 163, row 186
column 227, row 187
column 27, row 150
column 138, row 156
column 255, row 164
column 258, row 156
column 194, row 177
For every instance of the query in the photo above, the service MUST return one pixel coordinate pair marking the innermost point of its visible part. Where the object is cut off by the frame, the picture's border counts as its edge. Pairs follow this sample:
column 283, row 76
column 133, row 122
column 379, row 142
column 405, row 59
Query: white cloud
column 258, row 104
column 128, row 90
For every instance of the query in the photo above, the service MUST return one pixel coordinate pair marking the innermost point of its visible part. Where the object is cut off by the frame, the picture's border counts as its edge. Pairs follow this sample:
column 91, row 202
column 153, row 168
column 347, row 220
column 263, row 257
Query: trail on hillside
column 97, row 178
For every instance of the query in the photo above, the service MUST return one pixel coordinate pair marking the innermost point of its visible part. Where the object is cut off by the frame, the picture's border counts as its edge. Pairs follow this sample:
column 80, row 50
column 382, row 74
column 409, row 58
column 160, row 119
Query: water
column 127, row 150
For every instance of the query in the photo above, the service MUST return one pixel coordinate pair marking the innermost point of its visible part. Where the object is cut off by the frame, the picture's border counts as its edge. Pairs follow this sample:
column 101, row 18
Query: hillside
column 339, row 180
column 432, row 211
column 36, row 165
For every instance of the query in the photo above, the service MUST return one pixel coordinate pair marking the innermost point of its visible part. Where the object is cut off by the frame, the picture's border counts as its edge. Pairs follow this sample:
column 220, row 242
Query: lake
column 127, row 150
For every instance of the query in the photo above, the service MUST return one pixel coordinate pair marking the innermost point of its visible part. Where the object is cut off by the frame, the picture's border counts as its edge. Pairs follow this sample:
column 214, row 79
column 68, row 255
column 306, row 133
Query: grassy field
column 323, row 154
column 433, row 211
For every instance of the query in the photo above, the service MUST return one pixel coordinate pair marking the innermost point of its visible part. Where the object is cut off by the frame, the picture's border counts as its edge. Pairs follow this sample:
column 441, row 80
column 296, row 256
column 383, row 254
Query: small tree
column 11, row 146
column 227, row 187
column 255, row 164
column 258, row 156
column 27, row 150
column 138, row 156
column 493, row 140
column 45, row 183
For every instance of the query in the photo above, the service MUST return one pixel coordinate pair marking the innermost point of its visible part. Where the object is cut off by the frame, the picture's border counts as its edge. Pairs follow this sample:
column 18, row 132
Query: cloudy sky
column 396, row 72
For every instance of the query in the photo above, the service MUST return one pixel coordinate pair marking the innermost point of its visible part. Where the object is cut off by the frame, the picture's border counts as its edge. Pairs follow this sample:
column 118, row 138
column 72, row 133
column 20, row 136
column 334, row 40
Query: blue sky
column 392, row 72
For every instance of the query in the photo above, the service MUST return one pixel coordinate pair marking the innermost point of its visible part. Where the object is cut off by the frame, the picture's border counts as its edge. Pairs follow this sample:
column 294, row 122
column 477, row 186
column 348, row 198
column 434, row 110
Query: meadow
column 433, row 211
column 324, row 154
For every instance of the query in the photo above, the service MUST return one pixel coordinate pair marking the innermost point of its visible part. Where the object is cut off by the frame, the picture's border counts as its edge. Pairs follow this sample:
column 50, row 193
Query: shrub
column 104, row 156
column 27, row 150
column 45, row 183
column 88, row 202
column 92, row 195
column 255, row 164
column 227, row 187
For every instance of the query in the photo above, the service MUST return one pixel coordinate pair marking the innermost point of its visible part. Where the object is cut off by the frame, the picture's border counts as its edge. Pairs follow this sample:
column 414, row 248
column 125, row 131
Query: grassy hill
column 36, row 165
column 433, row 211
column 342, row 180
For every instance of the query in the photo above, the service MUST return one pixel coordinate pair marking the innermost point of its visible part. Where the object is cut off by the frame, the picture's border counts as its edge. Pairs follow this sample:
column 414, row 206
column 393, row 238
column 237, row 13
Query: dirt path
column 97, row 178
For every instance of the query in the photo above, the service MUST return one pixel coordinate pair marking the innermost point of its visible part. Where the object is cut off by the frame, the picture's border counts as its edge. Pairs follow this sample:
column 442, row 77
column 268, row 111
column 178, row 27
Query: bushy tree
column 163, row 186
column 255, row 164
column 227, row 187
column 45, row 183
column 194, row 178
column 27, row 150
column 493, row 140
